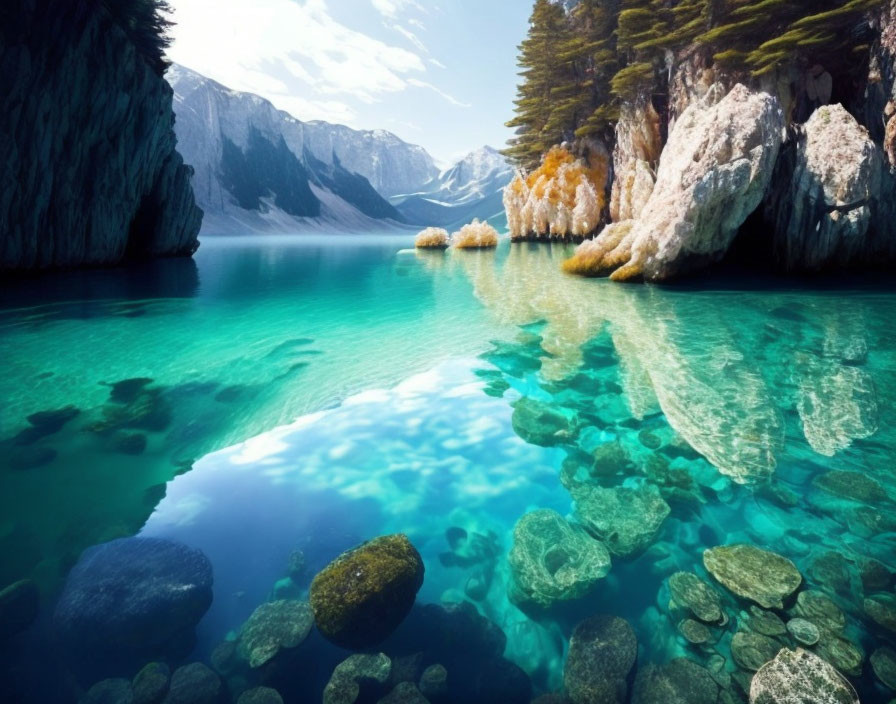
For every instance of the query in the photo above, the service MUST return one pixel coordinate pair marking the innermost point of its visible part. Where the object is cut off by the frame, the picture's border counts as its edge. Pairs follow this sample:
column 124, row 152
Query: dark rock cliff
column 89, row 172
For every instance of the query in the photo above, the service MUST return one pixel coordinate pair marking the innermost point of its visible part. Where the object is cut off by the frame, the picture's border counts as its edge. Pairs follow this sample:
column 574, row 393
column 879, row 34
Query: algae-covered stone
column 692, row 593
column 881, row 608
column 875, row 575
column 362, row 596
column 800, row 676
column 856, row 486
column 260, row 695
column 111, row 691
column 609, row 459
column 765, row 622
column 843, row 654
column 434, row 682
column 539, row 424
column 752, row 650
column 679, row 681
column 404, row 693
column 883, row 662
column 345, row 682
column 150, row 685
column 272, row 626
column 553, row 561
column 820, row 610
column 803, row 631
column 752, row 573
column 602, row 652
column 694, row 631
column 627, row 519
column 195, row 684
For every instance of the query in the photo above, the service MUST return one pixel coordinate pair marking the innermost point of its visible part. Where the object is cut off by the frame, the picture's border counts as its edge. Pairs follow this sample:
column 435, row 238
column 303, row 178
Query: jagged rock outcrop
column 89, row 173
column 713, row 174
column 824, row 201
column 635, row 158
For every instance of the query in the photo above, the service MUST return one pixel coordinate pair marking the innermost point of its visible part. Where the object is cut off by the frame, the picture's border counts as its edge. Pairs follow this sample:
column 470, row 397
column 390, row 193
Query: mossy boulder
column 626, row 519
column 602, row 652
column 150, row 685
column 692, row 593
column 344, row 686
column 361, row 597
column 752, row 650
column 883, row 662
column 553, row 560
column 803, row 631
column 855, row 486
column 539, row 424
column 195, row 684
column 260, row 695
column 679, row 681
column 800, row 676
column 820, row 610
column 272, row 627
column 881, row 608
column 752, row 573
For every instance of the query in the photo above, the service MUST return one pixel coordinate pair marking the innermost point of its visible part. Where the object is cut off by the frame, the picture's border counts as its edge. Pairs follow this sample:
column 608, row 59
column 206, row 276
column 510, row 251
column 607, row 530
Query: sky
column 439, row 74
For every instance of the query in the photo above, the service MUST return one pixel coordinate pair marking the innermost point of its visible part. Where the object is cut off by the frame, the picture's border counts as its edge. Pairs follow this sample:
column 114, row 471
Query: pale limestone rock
column 794, row 677
column 635, row 156
column 713, row 174
column 825, row 194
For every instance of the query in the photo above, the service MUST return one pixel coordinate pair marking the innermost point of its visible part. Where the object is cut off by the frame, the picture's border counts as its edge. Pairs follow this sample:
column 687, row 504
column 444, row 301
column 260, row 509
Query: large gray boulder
column 713, row 173
column 799, row 676
column 823, row 209
column 602, row 652
column 132, row 600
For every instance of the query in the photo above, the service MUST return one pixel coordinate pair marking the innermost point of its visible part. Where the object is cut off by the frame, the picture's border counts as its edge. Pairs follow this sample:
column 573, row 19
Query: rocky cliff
column 710, row 162
column 89, row 170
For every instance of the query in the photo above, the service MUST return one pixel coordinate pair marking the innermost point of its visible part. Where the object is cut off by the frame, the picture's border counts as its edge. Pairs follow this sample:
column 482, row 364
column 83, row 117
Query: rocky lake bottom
column 618, row 493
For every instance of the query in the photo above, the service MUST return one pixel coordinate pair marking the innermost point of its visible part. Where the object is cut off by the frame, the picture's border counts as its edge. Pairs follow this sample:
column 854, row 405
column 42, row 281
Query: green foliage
column 145, row 23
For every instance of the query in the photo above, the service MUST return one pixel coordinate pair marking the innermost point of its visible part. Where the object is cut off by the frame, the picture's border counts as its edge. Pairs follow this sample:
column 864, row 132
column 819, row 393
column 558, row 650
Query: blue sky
column 439, row 74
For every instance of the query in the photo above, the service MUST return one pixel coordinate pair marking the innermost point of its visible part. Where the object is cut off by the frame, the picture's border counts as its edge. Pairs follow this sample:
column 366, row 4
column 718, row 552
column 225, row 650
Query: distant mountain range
column 259, row 169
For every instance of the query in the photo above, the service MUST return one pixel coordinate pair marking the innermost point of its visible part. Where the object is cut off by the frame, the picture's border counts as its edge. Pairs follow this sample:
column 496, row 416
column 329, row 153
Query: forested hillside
column 578, row 67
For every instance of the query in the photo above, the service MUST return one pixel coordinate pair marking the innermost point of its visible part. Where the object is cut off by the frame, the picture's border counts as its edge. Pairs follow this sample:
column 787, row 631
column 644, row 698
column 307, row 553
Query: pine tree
column 534, row 103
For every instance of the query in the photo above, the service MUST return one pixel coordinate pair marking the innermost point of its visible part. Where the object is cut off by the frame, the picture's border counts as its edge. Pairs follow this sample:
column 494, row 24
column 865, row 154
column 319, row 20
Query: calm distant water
column 311, row 393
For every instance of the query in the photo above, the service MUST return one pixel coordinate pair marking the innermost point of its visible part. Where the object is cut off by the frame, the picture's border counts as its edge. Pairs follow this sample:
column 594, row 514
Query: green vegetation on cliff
column 578, row 66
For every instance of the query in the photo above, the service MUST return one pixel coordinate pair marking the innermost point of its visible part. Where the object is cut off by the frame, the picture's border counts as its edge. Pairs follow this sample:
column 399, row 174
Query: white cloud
column 391, row 8
column 450, row 98
column 411, row 37
column 290, row 51
column 437, row 63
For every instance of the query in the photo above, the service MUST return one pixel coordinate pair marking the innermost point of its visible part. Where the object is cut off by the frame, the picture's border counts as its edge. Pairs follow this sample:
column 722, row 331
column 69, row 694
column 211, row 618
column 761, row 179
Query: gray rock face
column 88, row 166
column 133, row 599
column 552, row 560
column 824, row 209
column 602, row 652
column 800, row 676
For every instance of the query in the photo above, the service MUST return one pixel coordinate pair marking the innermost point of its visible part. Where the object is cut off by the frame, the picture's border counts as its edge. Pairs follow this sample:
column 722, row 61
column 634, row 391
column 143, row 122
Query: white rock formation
column 713, row 174
column 635, row 156
column 797, row 676
column 822, row 210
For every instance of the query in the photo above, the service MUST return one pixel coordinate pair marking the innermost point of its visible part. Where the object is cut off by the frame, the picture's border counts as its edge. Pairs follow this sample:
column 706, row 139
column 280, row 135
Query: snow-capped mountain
column 473, row 187
column 259, row 168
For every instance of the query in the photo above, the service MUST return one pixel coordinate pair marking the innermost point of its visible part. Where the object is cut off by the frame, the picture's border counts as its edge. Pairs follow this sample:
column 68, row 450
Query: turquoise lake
column 310, row 393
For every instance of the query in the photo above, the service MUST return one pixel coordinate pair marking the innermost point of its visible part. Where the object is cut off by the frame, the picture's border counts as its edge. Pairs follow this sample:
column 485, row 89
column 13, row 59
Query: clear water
column 313, row 393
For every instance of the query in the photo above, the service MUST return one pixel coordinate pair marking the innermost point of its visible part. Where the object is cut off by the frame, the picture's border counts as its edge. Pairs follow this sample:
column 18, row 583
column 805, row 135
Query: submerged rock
column 404, row 693
column 679, row 681
column 195, row 684
column 843, row 654
column 765, row 622
column 44, row 423
column 345, row 683
column 260, row 695
column 133, row 599
column 150, row 685
column 434, row 682
column 271, row 627
column 362, row 596
column 752, row 573
column 552, row 560
column 799, row 676
column 626, row 519
column 752, row 650
column 883, row 662
column 803, row 631
column 820, row 610
column 19, row 606
column 539, row 424
column 111, row 691
column 602, row 652
column 713, row 173
column 856, row 486
column 692, row 593
column 881, row 608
